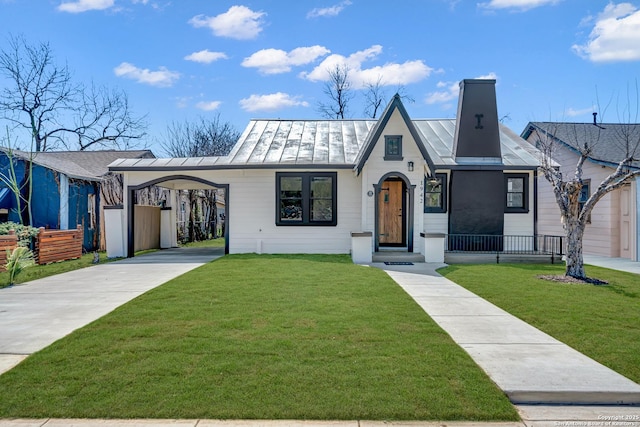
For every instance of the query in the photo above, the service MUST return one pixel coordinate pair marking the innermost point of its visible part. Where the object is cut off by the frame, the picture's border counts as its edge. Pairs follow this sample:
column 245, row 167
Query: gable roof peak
column 376, row 132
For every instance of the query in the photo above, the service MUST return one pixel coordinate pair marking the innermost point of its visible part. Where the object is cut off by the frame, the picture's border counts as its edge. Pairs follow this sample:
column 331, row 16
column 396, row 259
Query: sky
column 182, row 60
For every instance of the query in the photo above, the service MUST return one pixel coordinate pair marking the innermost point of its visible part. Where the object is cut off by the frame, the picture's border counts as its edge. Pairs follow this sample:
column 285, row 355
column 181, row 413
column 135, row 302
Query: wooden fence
column 58, row 245
column 7, row 242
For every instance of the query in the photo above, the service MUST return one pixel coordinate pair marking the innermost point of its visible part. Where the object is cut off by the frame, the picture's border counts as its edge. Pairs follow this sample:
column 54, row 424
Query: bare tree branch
column 374, row 96
column 205, row 137
column 339, row 91
column 42, row 98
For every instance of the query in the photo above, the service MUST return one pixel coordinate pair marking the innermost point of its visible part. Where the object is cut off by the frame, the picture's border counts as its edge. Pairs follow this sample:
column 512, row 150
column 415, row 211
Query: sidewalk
column 622, row 264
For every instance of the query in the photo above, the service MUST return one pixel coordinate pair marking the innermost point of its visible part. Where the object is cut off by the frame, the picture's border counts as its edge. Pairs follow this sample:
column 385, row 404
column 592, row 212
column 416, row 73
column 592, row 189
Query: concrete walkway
column 550, row 383
column 622, row 264
column 35, row 314
column 530, row 366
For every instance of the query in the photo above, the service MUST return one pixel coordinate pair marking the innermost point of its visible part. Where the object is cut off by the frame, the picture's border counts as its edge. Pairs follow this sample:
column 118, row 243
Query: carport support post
column 130, row 203
column 173, row 202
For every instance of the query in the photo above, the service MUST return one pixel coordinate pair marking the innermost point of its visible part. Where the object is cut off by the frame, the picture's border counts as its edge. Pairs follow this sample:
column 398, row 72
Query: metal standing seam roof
column 328, row 143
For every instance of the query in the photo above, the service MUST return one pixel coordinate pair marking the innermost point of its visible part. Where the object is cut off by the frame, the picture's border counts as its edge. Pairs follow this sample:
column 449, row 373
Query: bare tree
column 205, row 137
column 194, row 139
column 374, row 97
column 586, row 140
column 42, row 98
column 339, row 91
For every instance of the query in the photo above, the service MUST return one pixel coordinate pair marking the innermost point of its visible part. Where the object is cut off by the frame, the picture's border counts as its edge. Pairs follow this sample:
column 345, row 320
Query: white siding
column 253, row 215
column 251, row 212
column 436, row 223
column 520, row 224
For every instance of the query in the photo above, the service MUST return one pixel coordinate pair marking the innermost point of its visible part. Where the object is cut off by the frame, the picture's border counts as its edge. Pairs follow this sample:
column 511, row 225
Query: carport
column 172, row 174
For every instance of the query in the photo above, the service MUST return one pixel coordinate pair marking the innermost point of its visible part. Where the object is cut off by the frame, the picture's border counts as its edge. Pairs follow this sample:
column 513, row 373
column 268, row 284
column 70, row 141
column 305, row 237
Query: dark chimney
column 477, row 136
column 595, row 122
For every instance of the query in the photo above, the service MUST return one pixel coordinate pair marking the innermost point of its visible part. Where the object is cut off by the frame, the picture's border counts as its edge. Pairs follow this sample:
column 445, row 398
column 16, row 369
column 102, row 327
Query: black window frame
column 389, row 155
column 307, row 178
column 443, row 199
column 525, row 193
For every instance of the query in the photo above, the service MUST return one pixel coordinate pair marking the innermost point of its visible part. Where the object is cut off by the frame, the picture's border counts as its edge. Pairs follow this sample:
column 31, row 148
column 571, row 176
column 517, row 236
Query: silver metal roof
column 328, row 143
column 302, row 142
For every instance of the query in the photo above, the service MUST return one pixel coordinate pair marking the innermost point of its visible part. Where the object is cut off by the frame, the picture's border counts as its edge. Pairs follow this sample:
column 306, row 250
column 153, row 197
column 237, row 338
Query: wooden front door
column 391, row 215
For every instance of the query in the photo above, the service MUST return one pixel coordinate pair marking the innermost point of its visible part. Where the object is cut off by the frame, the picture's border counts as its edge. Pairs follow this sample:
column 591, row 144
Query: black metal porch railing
column 552, row 246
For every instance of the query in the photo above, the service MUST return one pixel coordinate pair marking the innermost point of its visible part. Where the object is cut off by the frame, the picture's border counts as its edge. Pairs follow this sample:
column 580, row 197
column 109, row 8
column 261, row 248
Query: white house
column 313, row 186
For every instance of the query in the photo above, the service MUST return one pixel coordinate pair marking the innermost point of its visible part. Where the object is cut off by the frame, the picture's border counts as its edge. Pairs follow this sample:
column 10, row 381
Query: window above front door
column 393, row 147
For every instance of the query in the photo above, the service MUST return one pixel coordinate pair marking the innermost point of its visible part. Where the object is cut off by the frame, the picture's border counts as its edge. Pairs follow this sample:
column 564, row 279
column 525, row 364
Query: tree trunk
column 575, row 262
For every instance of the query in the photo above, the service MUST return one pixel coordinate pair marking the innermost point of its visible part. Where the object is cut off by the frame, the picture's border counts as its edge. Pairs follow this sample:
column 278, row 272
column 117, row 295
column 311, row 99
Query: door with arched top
column 392, row 218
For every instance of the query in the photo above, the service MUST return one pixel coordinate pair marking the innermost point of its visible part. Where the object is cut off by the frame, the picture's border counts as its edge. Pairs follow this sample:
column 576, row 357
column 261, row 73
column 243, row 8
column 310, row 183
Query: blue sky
column 185, row 59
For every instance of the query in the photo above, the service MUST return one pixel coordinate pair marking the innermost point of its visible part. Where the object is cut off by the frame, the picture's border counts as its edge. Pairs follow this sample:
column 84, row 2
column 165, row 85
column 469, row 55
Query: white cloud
column 490, row 76
column 450, row 90
column 388, row 74
column 518, row 5
column 205, row 56
column 239, row 22
column 271, row 102
column 85, row 5
column 275, row 61
column 208, row 105
column 328, row 11
column 615, row 35
column 161, row 78
column 571, row 112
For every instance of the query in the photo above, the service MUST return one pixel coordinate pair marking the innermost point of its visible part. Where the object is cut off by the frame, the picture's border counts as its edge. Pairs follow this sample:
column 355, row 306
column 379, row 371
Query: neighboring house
column 612, row 229
column 66, row 188
column 304, row 186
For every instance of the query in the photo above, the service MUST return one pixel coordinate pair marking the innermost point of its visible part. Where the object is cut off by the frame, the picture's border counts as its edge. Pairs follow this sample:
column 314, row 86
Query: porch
column 464, row 248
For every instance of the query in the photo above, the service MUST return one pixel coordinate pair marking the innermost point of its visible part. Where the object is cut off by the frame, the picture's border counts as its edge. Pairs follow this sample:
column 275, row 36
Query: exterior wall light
column 410, row 166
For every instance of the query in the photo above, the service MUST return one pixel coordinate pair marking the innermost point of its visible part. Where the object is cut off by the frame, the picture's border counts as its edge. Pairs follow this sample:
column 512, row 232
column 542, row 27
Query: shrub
column 25, row 233
column 17, row 260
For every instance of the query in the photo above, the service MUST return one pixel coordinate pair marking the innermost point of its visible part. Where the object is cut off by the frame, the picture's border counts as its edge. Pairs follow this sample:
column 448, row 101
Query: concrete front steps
column 397, row 256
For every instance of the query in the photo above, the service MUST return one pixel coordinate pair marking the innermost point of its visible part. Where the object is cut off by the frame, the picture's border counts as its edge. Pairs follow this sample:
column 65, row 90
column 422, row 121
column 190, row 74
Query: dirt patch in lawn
column 569, row 279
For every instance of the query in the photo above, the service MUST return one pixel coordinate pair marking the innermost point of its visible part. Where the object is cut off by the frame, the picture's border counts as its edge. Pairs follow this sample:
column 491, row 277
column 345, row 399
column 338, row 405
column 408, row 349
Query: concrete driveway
column 35, row 314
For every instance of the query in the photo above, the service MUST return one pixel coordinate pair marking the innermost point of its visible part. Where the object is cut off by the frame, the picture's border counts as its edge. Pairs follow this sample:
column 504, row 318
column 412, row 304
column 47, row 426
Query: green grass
column 39, row 271
column 211, row 243
column 259, row 337
column 602, row 322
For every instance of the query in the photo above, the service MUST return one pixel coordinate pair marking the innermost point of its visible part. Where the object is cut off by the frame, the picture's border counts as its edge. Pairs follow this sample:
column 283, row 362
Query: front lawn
column 601, row 321
column 259, row 337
